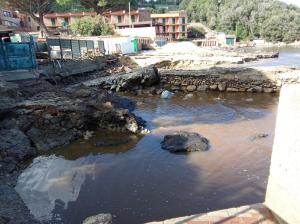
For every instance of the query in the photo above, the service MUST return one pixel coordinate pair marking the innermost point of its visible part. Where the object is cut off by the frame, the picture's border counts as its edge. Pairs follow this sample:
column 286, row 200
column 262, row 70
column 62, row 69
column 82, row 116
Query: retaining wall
column 283, row 192
column 228, row 79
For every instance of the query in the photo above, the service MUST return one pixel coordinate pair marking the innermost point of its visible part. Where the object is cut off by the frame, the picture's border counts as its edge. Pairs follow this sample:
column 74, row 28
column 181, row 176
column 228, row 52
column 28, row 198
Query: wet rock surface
column 99, row 219
column 37, row 116
column 12, row 208
column 133, row 81
column 182, row 142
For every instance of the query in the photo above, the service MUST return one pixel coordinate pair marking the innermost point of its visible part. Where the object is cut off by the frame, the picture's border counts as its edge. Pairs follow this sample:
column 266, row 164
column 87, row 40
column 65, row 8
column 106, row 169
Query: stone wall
column 231, row 79
column 228, row 79
column 283, row 194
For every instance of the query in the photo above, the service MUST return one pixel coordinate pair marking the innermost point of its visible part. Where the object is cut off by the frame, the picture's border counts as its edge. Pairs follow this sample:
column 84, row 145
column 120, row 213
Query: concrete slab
column 249, row 214
column 18, row 75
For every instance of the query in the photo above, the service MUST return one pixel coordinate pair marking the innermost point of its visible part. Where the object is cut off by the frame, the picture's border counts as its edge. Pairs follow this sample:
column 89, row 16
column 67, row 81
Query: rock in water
column 185, row 142
column 259, row 136
column 99, row 219
column 166, row 94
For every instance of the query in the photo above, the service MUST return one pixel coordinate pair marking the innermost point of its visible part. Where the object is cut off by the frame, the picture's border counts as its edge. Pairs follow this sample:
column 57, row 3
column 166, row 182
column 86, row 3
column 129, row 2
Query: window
column 174, row 29
column 164, row 21
column 38, row 28
column 183, row 28
column 53, row 22
column 66, row 21
column 164, row 29
column 173, row 36
column 133, row 19
column 29, row 19
column 173, row 20
column 183, row 35
column 119, row 19
column 183, row 20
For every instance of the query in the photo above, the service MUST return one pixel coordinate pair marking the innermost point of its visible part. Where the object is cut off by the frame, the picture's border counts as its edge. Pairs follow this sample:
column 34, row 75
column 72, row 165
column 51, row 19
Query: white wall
column 138, row 32
column 283, row 192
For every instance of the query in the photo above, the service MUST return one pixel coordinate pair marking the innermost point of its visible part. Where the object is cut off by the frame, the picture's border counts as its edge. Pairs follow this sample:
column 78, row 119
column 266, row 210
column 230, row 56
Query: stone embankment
column 230, row 79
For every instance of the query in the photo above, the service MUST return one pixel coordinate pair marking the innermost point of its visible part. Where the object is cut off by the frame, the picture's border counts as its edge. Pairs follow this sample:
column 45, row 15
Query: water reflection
column 102, row 142
column 204, row 108
column 49, row 179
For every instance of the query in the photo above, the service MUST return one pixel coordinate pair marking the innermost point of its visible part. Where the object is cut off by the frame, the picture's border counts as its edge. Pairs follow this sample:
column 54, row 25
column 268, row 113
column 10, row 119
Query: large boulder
column 138, row 79
column 185, row 142
column 99, row 219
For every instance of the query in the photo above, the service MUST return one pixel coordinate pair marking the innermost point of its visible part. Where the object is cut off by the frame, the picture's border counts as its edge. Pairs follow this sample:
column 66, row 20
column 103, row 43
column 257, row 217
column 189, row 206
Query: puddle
column 136, row 181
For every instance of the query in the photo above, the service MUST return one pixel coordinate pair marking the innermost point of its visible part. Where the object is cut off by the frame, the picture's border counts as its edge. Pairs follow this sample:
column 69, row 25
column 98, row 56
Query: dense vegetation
column 91, row 26
column 91, row 5
column 269, row 19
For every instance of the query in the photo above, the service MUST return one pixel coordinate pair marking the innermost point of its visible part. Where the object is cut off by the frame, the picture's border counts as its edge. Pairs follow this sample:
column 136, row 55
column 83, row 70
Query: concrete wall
column 138, row 32
column 283, row 192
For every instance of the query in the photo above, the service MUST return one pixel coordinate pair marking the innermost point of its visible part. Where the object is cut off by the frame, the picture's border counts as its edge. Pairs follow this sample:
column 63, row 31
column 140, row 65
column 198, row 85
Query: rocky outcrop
column 139, row 79
column 8, row 93
column 185, row 142
column 15, row 147
column 51, row 119
column 99, row 219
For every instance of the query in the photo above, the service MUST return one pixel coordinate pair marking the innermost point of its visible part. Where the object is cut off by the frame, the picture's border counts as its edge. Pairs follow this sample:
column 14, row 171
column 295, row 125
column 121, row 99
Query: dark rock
column 259, row 136
column 12, row 207
column 185, row 142
column 45, row 139
column 99, row 219
column 15, row 147
column 145, row 77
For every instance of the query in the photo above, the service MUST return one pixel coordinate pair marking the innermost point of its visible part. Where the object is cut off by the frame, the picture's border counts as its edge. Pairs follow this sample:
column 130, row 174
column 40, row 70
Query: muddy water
column 135, row 180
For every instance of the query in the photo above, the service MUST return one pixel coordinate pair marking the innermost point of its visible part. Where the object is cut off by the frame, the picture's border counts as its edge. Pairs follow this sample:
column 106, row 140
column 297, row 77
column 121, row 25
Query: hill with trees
column 269, row 19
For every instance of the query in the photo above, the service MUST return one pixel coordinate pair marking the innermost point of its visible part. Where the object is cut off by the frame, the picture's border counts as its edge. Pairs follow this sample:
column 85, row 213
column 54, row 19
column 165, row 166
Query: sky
column 295, row 2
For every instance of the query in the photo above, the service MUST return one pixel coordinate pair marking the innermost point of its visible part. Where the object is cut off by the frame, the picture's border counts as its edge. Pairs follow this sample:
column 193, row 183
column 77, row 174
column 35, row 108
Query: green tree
column 269, row 19
column 35, row 8
column 91, row 26
column 69, row 6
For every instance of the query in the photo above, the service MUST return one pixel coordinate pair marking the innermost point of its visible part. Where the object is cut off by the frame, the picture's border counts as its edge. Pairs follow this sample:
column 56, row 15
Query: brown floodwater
column 132, row 178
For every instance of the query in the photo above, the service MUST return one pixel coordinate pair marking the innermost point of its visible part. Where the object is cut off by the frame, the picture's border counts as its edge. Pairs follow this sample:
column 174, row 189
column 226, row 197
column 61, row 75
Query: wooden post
column 61, row 52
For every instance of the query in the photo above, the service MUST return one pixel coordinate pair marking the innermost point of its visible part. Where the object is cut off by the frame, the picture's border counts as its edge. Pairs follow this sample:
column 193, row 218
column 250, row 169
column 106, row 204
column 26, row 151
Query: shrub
column 195, row 32
column 91, row 26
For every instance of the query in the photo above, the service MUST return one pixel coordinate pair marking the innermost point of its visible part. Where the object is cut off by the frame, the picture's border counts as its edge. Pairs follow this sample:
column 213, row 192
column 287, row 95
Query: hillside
column 269, row 19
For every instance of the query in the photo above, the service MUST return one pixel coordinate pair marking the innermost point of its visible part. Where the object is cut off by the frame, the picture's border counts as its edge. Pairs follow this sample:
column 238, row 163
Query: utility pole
column 129, row 14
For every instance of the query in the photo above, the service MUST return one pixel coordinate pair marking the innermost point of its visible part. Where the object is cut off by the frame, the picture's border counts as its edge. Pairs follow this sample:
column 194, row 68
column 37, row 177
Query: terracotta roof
column 70, row 14
column 121, row 12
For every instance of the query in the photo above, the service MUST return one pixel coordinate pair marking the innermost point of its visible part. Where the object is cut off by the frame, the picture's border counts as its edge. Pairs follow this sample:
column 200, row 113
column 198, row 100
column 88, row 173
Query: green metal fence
column 15, row 56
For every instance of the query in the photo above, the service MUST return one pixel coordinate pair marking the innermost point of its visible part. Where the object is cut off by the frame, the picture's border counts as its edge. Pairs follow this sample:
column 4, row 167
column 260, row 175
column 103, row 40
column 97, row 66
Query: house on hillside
column 27, row 23
column 9, row 19
column 123, row 19
column 172, row 25
column 61, row 21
